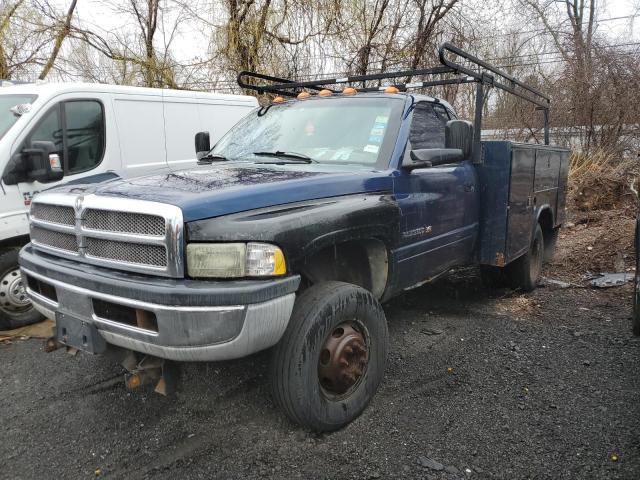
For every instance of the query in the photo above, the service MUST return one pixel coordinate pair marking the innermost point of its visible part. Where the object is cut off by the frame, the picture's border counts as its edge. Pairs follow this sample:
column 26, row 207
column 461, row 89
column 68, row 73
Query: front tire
column 524, row 272
column 330, row 361
column 15, row 308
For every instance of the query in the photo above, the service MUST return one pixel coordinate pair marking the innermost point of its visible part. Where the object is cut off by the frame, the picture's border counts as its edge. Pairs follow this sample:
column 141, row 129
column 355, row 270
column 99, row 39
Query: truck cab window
column 84, row 131
column 427, row 126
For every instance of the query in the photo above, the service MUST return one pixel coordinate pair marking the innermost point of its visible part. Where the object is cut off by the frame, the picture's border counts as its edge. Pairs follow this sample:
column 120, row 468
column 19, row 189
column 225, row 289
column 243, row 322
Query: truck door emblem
column 416, row 232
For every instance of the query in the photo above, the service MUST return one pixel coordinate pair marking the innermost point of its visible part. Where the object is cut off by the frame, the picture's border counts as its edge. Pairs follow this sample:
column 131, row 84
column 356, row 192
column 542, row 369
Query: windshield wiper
column 293, row 155
column 209, row 158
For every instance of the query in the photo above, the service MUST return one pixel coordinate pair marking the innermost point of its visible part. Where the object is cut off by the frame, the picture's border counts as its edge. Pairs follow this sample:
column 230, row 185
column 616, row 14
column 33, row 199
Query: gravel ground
column 478, row 385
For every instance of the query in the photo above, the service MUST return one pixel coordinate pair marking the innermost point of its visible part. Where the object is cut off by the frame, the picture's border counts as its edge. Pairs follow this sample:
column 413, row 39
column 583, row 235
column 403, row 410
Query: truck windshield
column 11, row 107
column 359, row 131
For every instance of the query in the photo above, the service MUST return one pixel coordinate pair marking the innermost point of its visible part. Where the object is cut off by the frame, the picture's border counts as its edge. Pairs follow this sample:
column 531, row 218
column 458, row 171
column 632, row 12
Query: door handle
column 469, row 187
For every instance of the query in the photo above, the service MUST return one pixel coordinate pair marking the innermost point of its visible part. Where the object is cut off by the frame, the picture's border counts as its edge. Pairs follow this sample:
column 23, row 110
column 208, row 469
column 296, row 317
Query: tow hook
column 151, row 370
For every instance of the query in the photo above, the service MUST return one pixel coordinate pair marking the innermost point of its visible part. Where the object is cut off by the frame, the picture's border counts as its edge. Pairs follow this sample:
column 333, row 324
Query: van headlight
column 234, row 260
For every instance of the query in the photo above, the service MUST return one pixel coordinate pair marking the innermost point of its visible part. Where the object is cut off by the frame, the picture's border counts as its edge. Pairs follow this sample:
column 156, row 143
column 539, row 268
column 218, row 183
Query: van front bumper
column 176, row 319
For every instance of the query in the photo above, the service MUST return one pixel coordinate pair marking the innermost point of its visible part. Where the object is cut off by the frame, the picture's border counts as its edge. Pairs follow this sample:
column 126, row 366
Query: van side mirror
column 38, row 163
column 459, row 134
column 43, row 163
column 203, row 144
column 430, row 157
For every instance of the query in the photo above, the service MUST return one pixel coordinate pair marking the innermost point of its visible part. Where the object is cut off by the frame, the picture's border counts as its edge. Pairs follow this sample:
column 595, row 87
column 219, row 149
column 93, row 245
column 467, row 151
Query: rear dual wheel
column 523, row 273
column 331, row 359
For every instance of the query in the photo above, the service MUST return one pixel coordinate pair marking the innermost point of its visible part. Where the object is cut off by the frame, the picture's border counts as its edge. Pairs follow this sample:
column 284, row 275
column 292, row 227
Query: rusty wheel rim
column 343, row 360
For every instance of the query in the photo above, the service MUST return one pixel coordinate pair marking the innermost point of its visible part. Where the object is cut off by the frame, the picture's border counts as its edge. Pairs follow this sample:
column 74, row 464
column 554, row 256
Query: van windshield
column 11, row 107
column 357, row 130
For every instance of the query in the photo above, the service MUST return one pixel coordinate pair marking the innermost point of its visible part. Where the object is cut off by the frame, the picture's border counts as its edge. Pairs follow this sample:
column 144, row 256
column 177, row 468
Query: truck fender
column 304, row 229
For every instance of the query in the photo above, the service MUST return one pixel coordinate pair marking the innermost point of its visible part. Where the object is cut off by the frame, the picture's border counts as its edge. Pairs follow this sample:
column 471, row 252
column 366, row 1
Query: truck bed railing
column 474, row 70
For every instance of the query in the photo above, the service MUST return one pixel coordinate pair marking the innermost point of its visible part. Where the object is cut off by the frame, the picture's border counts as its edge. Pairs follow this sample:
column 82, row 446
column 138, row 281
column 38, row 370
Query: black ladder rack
column 477, row 71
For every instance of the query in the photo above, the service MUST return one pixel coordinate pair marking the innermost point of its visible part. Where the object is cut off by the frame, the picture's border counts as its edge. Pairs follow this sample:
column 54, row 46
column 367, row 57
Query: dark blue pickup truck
column 296, row 226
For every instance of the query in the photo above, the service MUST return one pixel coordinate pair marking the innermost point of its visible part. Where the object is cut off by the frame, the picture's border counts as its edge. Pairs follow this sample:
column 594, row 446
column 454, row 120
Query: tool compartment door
column 520, row 200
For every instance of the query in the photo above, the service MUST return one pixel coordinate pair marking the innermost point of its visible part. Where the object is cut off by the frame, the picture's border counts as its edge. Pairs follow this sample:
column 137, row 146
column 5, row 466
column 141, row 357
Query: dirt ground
column 480, row 384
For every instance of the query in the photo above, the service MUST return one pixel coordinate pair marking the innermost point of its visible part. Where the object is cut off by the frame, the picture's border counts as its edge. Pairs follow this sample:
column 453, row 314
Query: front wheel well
column 360, row 262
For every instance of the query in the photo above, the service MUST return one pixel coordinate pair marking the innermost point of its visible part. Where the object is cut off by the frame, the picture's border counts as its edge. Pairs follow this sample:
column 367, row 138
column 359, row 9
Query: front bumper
column 176, row 319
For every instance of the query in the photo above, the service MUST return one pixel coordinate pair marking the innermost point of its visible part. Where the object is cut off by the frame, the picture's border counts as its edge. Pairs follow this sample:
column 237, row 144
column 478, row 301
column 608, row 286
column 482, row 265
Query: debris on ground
column 430, row 463
column 608, row 280
column 609, row 233
column 43, row 329
column 552, row 282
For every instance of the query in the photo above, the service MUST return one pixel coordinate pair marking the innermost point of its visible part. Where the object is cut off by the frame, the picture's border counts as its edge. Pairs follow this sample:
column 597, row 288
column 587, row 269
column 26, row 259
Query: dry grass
column 601, row 181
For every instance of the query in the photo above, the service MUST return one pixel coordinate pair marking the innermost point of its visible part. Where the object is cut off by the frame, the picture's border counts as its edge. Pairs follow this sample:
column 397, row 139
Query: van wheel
column 524, row 273
column 15, row 308
column 331, row 359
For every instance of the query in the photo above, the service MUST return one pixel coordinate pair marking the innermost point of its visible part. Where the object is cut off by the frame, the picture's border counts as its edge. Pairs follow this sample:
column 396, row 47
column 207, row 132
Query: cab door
column 439, row 208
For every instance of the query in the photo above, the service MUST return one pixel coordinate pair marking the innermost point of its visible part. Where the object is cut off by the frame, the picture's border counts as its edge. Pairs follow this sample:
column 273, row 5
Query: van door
column 181, row 122
column 140, row 124
column 77, row 128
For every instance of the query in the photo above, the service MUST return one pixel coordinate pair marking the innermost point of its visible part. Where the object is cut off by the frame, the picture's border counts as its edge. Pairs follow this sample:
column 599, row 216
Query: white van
column 90, row 133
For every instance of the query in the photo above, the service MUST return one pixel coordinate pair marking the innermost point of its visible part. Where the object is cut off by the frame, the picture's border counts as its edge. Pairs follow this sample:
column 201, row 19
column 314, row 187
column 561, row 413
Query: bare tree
column 61, row 35
column 31, row 36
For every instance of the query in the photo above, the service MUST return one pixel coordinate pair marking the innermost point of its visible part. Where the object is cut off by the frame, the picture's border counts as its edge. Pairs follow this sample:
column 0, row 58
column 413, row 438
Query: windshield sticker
column 309, row 129
column 371, row 148
column 382, row 119
column 20, row 109
column 342, row 154
column 375, row 138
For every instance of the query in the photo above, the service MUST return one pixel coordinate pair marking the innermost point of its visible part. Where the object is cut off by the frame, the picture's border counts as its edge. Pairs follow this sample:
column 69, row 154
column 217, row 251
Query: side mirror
column 42, row 162
column 459, row 134
column 203, row 144
column 39, row 163
column 430, row 157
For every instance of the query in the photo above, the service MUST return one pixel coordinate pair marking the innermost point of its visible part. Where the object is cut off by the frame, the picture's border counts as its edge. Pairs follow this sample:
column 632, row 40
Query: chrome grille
column 63, row 241
column 126, row 222
column 54, row 213
column 113, row 232
column 138, row 253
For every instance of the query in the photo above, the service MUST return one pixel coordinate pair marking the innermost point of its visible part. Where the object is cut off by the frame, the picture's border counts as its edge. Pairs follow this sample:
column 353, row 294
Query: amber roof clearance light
column 349, row 91
column 391, row 89
column 325, row 93
column 303, row 95
column 278, row 99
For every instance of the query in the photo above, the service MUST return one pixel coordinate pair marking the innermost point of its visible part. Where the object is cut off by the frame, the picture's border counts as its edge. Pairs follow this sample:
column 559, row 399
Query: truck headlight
column 234, row 260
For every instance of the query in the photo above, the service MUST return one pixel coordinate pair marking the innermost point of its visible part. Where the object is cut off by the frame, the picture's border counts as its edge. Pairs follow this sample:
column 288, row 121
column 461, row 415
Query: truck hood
column 206, row 192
